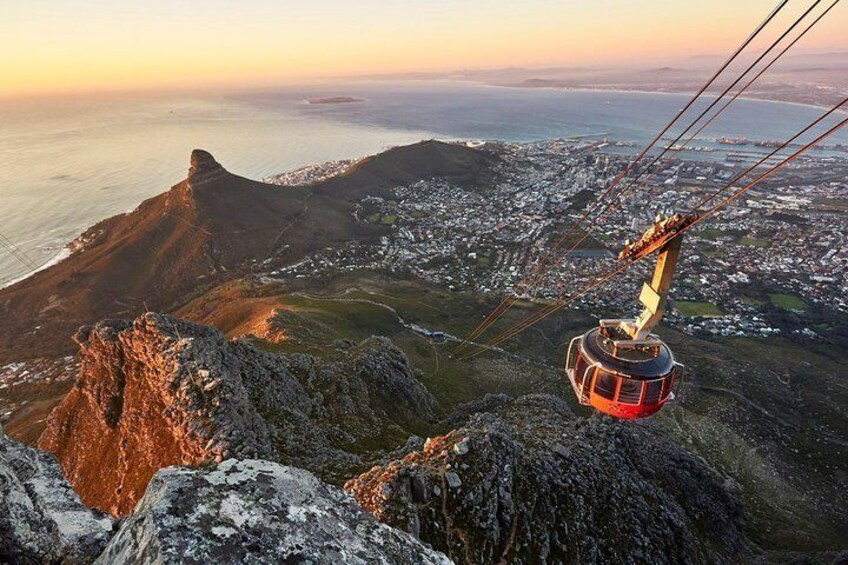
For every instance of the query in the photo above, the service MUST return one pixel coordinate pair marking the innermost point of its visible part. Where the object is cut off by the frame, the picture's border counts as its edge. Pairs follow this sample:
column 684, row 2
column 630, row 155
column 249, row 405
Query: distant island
column 335, row 100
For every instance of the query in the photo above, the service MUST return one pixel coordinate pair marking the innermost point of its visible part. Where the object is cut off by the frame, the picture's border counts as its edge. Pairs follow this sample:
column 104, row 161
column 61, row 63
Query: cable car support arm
column 665, row 237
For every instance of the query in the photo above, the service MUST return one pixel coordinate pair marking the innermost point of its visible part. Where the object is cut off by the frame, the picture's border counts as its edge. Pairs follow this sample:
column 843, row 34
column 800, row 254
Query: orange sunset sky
column 56, row 46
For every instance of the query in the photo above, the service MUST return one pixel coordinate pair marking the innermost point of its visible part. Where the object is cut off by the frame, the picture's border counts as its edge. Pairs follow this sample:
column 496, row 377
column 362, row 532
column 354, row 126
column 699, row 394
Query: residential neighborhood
column 781, row 247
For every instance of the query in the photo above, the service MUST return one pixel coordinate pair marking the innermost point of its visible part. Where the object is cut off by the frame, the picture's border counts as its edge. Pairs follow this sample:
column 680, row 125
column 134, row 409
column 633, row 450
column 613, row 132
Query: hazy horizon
column 71, row 46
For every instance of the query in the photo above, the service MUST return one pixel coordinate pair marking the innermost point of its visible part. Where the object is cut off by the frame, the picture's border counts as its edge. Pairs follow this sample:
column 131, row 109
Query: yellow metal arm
column 655, row 295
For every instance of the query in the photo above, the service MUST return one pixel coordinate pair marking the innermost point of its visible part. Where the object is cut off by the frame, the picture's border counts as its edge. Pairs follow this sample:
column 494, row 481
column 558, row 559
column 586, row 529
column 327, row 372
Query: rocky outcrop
column 160, row 391
column 530, row 483
column 255, row 512
column 238, row 511
column 203, row 169
column 41, row 518
column 152, row 393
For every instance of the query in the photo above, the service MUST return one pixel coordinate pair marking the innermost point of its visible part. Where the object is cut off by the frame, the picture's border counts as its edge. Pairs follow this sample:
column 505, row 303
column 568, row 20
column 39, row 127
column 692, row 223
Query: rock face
column 203, row 169
column 161, row 391
column 41, row 518
column 529, row 483
column 255, row 512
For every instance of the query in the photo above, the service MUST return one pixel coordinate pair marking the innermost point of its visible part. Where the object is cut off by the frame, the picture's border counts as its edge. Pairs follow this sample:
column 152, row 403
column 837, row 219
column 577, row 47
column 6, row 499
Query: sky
column 59, row 46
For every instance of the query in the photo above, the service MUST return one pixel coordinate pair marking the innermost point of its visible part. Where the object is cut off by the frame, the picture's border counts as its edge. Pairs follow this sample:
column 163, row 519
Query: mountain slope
column 527, row 482
column 208, row 228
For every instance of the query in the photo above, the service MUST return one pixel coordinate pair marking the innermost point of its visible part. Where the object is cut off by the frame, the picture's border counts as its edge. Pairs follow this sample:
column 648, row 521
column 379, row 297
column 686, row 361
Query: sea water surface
column 66, row 164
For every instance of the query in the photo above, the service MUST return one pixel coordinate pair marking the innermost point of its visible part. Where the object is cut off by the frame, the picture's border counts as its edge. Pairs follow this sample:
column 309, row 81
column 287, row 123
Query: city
column 781, row 248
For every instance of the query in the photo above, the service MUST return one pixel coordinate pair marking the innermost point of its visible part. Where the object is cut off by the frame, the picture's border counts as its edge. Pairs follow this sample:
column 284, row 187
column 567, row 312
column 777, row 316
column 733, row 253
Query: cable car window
column 572, row 354
column 605, row 385
column 653, row 391
column 630, row 391
column 580, row 369
column 668, row 383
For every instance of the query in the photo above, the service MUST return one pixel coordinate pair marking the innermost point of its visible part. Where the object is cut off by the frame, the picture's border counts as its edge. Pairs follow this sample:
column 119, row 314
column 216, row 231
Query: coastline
column 336, row 124
column 63, row 254
column 652, row 92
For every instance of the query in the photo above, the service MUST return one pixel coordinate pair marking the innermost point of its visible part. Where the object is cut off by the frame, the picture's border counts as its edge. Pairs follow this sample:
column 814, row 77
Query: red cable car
column 620, row 368
column 622, row 382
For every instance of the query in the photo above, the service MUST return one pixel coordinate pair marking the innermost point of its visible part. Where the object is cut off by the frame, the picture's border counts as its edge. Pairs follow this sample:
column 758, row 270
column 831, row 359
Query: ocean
column 66, row 164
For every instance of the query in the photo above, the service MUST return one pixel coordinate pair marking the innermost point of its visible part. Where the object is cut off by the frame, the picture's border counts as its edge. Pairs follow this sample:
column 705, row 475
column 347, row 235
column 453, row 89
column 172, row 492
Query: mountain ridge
column 211, row 227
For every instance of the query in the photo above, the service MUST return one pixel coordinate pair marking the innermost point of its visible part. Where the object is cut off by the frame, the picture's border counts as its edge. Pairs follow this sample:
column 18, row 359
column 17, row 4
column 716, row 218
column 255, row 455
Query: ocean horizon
column 69, row 164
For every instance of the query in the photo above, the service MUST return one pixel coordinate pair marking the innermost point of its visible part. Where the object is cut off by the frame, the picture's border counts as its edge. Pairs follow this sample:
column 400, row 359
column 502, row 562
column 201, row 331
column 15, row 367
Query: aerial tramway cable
column 706, row 111
column 547, row 311
column 761, row 72
column 533, row 318
column 493, row 317
column 619, row 201
column 742, row 90
column 770, row 172
column 616, row 204
column 16, row 253
column 538, row 271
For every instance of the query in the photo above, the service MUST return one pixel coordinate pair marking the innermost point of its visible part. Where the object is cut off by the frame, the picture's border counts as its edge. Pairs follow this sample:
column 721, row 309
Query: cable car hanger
column 620, row 368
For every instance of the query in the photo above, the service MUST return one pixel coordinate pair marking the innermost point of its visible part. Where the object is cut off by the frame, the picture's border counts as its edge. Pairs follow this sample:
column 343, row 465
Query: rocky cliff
column 256, row 512
column 203, row 169
column 41, row 518
column 161, row 391
column 526, row 482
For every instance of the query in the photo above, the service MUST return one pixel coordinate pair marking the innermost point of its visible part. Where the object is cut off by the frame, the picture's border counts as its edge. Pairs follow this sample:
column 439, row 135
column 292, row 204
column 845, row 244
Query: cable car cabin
column 625, row 383
column 621, row 368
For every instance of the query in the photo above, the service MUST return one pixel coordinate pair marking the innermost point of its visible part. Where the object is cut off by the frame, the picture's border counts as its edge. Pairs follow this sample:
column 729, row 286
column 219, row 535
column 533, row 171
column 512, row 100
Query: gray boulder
column 41, row 518
column 254, row 511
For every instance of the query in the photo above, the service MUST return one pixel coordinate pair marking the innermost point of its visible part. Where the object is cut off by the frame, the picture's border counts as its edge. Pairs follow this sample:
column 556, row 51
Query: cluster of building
column 310, row 173
column 784, row 237
column 38, row 372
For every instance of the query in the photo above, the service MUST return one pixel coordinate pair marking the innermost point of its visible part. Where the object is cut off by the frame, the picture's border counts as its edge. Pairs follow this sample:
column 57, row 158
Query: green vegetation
column 483, row 260
column 711, row 251
column 385, row 219
column 580, row 200
column 756, row 302
column 737, row 236
column 359, row 307
column 787, row 301
column 693, row 308
column 711, row 233
column 753, row 242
